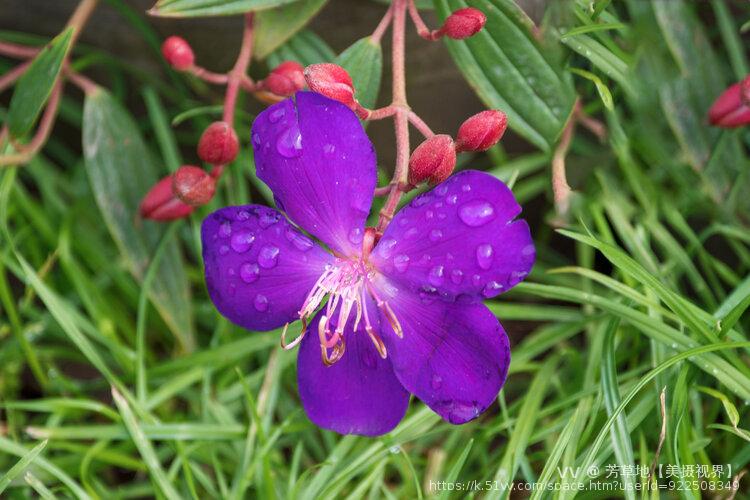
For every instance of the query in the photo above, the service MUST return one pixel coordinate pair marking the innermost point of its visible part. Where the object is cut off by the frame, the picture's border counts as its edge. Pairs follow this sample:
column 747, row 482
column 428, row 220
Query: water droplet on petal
column 242, row 241
column 276, row 115
column 260, row 303
column 267, row 219
column 356, row 235
column 476, row 213
column 242, row 215
column 491, row 289
column 385, row 247
column 452, row 199
column 300, row 241
column 411, row 232
column 421, row 200
column 429, row 214
column 457, row 276
column 484, row 256
column 289, row 142
column 329, row 149
column 436, row 275
column 401, row 262
column 256, row 139
column 402, row 221
column 249, row 272
column 225, row 230
column 436, row 382
column 268, row 257
column 466, row 188
column 223, row 250
column 476, row 279
column 436, row 235
column 527, row 250
column 442, row 189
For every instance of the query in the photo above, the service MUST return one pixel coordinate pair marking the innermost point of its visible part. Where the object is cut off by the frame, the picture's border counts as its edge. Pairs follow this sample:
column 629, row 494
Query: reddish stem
column 239, row 71
column 17, row 51
column 419, row 23
column 377, row 35
column 11, row 76
column 420, row 125
column 401, row 122
column 208, row 76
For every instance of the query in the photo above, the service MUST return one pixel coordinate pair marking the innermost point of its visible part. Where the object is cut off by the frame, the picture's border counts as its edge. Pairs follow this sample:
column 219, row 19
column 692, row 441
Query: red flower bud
column 433, row 160
column 481, row 131
column 732, row 108
column 463, row 23
column 178, row 53
column 218, row 144
column 332, row 81
column 161, row 204
column 286, row 79
column 193, row 186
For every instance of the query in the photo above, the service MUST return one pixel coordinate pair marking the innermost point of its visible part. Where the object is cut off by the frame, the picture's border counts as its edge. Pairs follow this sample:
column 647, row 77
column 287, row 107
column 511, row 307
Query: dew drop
column 476, row 213
column 436, row 382
column 402, row 221
column 223, row 250
column 276, row 115
column 452, row 199
column 267, row 219
column 225, row 230
column 300, row 241
column 436, row 235
column 420, row 200
column 457, row 276
column 476, row 279
column 249, row 272
column 242, row 215
column 242, row 241
column 385, row 247
column 401, row 262
column 466, row 188
column 527, row 250
column 260, row 303
column 429, row 215
column 355, row 235
column 442, row 189
column 329, row 149
column 411, row 232
column 484, row 256
column 289, row 142
column 436, row 275
column 268, row 257
column 256, row 139
column 491, row 289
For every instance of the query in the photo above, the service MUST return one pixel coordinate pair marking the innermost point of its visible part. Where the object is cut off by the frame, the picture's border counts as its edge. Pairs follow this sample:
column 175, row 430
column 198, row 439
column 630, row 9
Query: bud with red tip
column 178, row 53
column 332, row 81
column 219, row 144
column 732, row 108
column 433, row 160
column 463, row 23
column 193, row 185
column 161, row 204
column 285, row 79
column 481, row 131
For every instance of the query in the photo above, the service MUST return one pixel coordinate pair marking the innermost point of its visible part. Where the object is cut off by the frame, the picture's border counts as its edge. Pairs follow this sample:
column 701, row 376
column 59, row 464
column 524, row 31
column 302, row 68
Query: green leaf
column 364, row 62
column 601, row 88
column 275, row 26
column 194, row 8
column 35, row 86
column 121, row 172
column 510, row 70
column 20, row 466
column 305, row 47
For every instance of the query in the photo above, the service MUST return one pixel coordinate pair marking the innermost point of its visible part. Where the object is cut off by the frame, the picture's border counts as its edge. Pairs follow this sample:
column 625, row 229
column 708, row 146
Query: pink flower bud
column 433, row 160
column 463, row 23
column 178, row 53
column 332, row 81
column 732, row 108
column 193, row 186
column 286, row 79
column 219, row 144
column 161, row 204
column 481, row 131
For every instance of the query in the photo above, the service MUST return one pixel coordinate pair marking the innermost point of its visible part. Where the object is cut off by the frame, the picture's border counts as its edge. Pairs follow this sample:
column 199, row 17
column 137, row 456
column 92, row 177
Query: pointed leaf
column 121, row 171
column 510, row 70
column 206, row 8
column 305, row 47
column 276, row 26
column 364, row 62
column 36, row 84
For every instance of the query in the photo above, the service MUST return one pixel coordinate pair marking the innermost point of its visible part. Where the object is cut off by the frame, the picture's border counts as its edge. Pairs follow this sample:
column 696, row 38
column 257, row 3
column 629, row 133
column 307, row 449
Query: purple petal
column 359, row 394
column 315, row 156
column 259, row 268
column 454, row 357
column 459, row 240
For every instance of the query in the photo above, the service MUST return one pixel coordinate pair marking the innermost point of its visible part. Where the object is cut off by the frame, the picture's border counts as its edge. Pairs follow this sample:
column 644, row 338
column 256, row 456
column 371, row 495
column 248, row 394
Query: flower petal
column 315, row 156
column 259, row 268
column 454, row 357
column 359, row 394
column 459, row 240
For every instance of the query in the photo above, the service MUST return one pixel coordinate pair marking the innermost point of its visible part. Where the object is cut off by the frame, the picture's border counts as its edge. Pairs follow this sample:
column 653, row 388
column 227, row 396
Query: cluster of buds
column 433, row 161
column 732, row 108
column 282, row 81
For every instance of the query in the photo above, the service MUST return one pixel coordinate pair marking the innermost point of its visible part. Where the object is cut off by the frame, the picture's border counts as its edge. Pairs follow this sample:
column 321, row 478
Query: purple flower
column 406, row 317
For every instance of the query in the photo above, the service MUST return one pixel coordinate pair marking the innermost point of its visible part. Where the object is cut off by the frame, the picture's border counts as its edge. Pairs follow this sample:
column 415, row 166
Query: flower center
column 344, row 287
